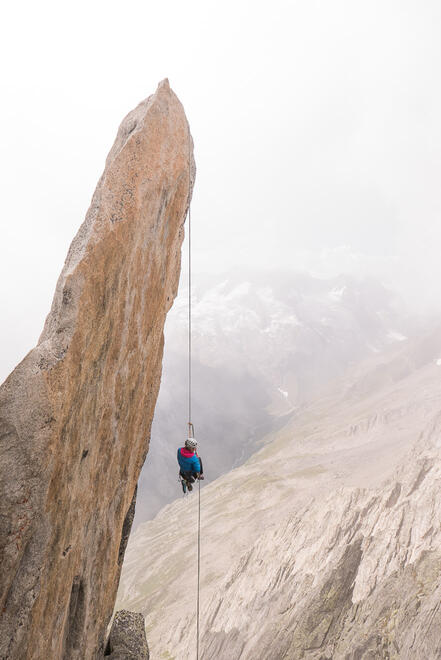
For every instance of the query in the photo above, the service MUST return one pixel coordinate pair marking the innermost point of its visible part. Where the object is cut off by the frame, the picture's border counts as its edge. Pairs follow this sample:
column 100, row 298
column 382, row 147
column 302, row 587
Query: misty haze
column 301, row 142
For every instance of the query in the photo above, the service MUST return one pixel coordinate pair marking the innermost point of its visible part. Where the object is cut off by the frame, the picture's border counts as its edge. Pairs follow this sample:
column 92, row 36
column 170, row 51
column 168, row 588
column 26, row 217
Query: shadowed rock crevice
column 75, row 618
column 334, row 598
column 127, row 526
column 378, row 627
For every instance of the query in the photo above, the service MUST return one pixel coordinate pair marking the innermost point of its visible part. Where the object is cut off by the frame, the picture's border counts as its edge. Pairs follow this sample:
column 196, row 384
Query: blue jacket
column 188, row 462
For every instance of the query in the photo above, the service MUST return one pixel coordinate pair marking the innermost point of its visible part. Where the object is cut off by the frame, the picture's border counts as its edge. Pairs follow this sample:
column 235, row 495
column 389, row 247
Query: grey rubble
column 127, row 640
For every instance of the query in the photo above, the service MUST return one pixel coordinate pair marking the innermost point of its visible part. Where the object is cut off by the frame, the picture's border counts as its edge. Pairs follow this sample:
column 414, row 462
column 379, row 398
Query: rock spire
column 75, row 414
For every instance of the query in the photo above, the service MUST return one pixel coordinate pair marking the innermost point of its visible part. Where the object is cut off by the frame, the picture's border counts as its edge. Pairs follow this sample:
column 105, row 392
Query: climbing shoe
column 189, row 486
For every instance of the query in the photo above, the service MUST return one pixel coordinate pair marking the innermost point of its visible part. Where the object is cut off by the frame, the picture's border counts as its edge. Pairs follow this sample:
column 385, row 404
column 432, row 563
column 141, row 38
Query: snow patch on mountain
column 337, row 294
column 396, row 336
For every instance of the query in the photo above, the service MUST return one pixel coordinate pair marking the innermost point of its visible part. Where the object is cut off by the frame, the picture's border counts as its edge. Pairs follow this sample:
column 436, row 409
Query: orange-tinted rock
column 75, row 414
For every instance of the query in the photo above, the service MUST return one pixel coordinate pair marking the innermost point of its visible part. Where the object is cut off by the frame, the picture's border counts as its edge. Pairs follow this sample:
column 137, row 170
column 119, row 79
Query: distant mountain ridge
column 264, row 344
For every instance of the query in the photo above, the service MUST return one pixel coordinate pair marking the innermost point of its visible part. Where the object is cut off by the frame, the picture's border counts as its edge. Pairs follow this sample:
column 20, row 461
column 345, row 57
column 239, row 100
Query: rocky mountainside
column 323, row 545
column 264, row 344
column 75, row 414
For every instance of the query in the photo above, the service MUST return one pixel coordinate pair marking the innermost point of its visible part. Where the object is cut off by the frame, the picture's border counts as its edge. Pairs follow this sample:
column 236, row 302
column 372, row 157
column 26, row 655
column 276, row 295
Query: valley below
column 325, row 544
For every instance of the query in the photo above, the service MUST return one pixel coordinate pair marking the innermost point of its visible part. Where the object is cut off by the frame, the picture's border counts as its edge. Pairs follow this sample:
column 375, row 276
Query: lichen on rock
column 127, row 640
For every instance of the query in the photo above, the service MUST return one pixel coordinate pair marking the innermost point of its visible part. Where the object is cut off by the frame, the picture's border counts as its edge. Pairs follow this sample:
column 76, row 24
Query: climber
column 190, row 464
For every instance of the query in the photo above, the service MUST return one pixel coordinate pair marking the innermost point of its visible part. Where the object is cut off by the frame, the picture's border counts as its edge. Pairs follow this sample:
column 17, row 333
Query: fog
column 316, row 129
column 265, row 346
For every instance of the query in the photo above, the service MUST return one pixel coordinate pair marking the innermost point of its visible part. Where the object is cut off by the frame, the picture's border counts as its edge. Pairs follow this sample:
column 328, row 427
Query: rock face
column 127, row 640
column 75, row 414
column 325, row 545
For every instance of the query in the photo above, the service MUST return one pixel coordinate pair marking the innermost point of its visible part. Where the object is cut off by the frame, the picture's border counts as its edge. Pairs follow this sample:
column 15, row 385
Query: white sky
column 316, row 125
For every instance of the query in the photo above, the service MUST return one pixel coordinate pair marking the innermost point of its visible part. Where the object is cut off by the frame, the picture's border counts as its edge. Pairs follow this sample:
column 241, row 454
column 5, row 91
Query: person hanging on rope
column 190, row 464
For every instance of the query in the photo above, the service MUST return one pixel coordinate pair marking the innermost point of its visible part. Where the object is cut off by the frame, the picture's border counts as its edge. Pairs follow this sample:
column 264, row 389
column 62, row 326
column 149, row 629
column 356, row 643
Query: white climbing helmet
column 191, row 443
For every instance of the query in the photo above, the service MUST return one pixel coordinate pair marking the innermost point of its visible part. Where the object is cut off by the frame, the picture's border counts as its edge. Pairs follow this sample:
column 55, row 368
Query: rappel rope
column 190, row 425
column 199, row 568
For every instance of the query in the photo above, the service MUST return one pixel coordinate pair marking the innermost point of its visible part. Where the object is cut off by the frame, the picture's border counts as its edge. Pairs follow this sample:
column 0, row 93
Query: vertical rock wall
column 75, row 414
